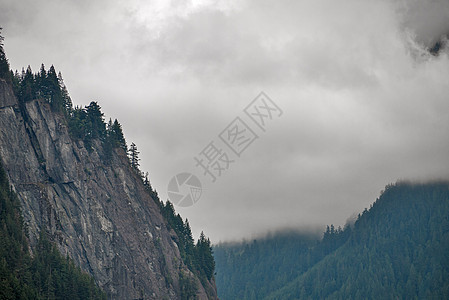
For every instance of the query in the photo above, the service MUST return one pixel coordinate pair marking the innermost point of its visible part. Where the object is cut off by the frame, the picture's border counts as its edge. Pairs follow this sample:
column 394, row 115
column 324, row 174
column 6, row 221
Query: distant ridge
column 397, row 249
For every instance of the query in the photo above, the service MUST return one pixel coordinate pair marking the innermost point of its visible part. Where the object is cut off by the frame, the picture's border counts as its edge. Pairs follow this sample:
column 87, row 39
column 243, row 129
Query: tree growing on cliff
column 66, row 100
column 204, row 257
column 134, row 159
column 4, row 65
column 54, row 94
column 95, row 121
column 115, row 135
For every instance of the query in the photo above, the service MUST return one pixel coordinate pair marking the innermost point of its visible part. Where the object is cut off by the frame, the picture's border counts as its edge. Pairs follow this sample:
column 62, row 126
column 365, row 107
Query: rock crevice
column 98, row 213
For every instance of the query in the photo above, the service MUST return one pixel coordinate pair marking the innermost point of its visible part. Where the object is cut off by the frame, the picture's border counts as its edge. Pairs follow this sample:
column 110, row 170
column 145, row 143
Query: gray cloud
column 427, row 20
column 364, row 103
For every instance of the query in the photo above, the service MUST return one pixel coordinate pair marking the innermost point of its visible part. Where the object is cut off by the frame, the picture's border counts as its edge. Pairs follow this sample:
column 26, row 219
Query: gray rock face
column 98, row 213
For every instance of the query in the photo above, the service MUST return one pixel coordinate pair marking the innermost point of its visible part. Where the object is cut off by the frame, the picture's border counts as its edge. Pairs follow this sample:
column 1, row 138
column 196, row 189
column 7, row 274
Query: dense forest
column 398, row 249
column 87, row 124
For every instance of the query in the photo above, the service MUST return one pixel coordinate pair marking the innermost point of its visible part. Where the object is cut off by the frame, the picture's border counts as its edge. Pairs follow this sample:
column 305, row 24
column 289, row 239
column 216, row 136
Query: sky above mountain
column 356, row 99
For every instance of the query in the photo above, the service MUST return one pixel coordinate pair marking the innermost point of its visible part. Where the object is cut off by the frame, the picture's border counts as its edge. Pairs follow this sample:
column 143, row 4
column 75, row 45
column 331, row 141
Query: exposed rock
column 100, row 214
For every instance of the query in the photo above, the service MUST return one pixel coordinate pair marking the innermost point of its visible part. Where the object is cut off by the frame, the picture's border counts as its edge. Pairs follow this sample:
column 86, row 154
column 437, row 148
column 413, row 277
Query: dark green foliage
column 188, row 286
column 53, row 91
column 27, row 88
column 153, row 193
column 88, row 124
column 146, row 182
column 398, row 249
column 115, row 135
column 251, row 270
column 183, row 231
column 204, row 258
column 134, row 159
column 95, row 126
column 197, row 257
column 66, row 100
column 91, row 124
column 56, row 277
column 47, row 275
column 44, row 85
column 4, row 65
column 15, row 277
column 77, row 123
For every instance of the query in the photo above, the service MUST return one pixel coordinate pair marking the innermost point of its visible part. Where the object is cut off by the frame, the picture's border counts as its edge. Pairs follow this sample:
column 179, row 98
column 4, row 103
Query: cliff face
column 99, row 213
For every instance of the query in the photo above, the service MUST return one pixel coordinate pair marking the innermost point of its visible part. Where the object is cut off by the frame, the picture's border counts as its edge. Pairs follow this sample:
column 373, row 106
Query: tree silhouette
column 134, row 159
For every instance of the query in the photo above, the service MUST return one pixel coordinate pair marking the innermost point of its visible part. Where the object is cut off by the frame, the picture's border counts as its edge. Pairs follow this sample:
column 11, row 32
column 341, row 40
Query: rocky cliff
column 99, row 213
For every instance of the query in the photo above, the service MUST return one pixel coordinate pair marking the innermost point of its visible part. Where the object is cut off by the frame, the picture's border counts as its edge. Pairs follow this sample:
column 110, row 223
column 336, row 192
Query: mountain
column 46, row 274
column 398, row 249
column 75, row 183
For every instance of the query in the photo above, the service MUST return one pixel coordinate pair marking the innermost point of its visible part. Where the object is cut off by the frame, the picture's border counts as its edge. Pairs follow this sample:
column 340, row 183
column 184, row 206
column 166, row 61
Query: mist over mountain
column 398, row 248
column 364, row 100
column 360, row 92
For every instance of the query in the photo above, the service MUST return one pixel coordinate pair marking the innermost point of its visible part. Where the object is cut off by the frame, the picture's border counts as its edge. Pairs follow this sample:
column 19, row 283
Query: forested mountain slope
column 76, row 181
column 399, row 248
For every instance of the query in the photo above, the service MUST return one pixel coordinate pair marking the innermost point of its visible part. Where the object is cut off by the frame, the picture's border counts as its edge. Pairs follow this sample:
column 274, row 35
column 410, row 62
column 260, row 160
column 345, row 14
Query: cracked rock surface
column 98, row 213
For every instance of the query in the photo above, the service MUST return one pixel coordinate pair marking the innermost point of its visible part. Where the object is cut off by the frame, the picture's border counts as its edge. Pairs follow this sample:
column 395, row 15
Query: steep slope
column 252, row 270
column 46, row 275
column 399, row 248
column 99, row 213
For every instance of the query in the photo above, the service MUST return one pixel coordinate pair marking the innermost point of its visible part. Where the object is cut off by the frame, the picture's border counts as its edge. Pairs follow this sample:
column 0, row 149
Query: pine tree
column 96, row 127
column 4, row 64
column 66, row 100
column 146, row 183
column 116, row 134
column 41, row 83
column 54, row 91
column 134, row 159
column 27, row 87
column 204, row 255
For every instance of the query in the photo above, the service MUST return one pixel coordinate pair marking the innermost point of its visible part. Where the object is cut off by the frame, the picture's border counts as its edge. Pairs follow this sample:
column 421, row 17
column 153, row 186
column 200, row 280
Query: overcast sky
column 363, row 102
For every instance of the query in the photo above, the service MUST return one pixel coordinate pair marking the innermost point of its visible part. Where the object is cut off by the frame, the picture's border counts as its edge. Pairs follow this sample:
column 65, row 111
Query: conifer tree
column 54, row 91
column 146, row 182
column 205, row 258
column 67, row 101
column 95, row 119
column 4, row 65
column 27, row 88
column 116, row 134
column 41, row 83
column 133, row 155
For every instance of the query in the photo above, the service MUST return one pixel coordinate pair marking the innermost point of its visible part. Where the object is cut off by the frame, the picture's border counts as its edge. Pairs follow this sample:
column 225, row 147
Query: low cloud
column 364, row 102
